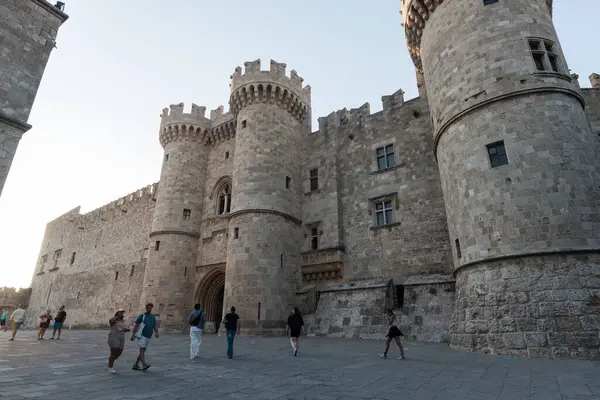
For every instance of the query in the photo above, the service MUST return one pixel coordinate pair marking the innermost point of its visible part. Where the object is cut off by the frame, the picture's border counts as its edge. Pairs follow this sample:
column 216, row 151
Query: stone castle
column 473, row 209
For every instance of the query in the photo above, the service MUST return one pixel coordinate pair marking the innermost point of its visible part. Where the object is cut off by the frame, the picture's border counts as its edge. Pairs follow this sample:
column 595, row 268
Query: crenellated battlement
column 121, row 204
column 415, row 14
column 272, row 86
column 175, row 115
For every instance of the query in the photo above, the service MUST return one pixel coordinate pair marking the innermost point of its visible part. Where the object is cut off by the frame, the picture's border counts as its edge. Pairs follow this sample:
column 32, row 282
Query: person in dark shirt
column 294, row 326
column 232, row 326
column 59, row 320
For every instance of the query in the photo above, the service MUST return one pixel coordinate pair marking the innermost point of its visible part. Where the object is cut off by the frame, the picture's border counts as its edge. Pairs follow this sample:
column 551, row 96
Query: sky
column 96, row 115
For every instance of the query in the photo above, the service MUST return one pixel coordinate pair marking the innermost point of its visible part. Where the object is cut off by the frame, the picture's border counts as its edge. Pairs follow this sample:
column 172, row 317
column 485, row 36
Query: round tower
column 520, row 168
column 169, row 276
column 264, row 227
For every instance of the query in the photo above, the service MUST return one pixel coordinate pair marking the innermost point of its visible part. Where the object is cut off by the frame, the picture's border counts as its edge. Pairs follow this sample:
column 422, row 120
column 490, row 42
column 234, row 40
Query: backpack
column 196, row 320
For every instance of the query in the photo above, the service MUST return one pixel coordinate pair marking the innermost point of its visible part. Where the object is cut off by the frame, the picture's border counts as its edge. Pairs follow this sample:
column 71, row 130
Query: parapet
column 595, row 81
column 175, row 115
column 273, row 86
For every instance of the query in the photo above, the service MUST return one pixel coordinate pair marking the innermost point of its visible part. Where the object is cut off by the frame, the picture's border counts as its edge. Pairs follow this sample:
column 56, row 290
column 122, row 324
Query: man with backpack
column 197, row 319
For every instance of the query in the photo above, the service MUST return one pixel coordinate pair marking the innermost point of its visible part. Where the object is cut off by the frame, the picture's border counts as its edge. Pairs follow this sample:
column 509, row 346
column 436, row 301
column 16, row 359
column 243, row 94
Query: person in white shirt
column 17, row 318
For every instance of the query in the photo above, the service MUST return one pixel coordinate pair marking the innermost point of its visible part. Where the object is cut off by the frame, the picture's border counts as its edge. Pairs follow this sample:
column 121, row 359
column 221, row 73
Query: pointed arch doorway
column 210, row 293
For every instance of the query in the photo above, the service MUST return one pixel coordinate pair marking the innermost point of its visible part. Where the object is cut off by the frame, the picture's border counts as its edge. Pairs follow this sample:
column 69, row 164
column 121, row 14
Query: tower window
column 187, row 214
column 244, row 123
column 384, row 212
column 224, row 205
column 72, row 259
column 544, row 55
column 314, row 179
column 497, row 154
column 385, row 157
column 236, row 233
column 458, row 252
column 132, row 270
column 166, row 157
column 116, row 275
column 488, row 2
column 287, row 182
column 314, row 238
column 157, row 245
column 226, row 155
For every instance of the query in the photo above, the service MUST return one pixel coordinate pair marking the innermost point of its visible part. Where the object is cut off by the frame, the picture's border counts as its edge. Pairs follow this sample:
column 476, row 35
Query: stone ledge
column 14, row 122
column 53, row 269
column 313, row 192
column 357, row 285
column 388, row 226
column 384, row 170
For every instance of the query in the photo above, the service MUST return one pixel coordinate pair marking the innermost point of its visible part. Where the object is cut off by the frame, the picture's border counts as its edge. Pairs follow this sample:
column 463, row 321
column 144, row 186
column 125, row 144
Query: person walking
column 196, row 319
column 17, row 318
column 393, row 334
column 45, row 319
column 59, row 320
column 232, row 326
column 3, row 319
column 145, row 324
column 116, row 338
column 295, row 323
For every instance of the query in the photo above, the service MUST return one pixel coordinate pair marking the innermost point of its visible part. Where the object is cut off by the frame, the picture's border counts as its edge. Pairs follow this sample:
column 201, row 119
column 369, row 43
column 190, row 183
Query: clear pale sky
column 118, row 63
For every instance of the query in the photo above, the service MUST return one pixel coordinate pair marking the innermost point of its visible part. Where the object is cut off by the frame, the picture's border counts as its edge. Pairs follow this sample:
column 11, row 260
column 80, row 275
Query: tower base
column 545, row 306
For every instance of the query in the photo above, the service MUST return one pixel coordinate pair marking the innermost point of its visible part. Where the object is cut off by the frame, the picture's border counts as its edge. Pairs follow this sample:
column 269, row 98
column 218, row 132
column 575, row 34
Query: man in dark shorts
column 59, row 320
column 232, row 326
column 144, row 335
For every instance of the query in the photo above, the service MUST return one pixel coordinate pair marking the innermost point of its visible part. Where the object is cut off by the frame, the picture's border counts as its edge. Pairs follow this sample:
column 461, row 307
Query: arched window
column 224, row 200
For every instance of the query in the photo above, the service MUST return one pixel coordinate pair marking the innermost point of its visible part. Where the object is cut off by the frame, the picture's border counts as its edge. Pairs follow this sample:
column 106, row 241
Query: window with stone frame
column 314, row 238
column 224, row 200
column 497, row 154
column 384, row 212
column 187, row 214
column 385, row 157
column 56, row 256
column 43, row 261
column 545, row 57
column 314, row 179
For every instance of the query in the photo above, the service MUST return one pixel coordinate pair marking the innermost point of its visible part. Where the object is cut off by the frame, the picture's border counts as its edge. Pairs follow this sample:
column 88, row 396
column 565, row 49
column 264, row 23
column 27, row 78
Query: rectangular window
column 57, row 255
column 187, row 213
column 497, row 154
column 132, row 270
column 399, row 296
column 287, row 182
column 236, row 233
column 488, row 2
column 157, row 245
column 166, row 157
column 385, row 157
column 544, row 55
column 384, row 212
column 72, row 258
column 314, row 179
column 314, row 238
column 244, row 123
column 116, row 275
column 458, row 252
column 185, row 272
column 44, row 258
column 226, row 155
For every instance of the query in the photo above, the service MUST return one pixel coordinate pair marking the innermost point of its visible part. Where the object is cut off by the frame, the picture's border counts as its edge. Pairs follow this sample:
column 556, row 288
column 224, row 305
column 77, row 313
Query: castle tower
column 519, row 168
column 169, row 277
column 28, row 29
column 271, row 111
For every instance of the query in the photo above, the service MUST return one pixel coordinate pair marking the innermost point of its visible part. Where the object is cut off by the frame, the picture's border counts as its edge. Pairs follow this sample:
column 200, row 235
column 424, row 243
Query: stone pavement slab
column 264, row 368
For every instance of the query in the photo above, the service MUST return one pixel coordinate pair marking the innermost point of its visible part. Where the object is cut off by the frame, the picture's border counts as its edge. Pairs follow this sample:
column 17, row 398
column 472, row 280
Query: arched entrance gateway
column 210, row 292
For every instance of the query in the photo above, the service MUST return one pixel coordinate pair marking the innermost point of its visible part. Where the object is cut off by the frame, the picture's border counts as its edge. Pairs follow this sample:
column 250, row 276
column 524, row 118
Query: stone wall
column 93, row 263
column 592, row 108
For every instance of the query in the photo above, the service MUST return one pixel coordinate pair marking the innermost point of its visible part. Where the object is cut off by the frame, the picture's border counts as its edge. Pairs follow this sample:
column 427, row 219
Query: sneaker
column 146, row 367
column 382, row 355
column 51, row 338
column 295, row 352
column 11, row 339
column 111, row 371
column 401, row 358
column 136, row 367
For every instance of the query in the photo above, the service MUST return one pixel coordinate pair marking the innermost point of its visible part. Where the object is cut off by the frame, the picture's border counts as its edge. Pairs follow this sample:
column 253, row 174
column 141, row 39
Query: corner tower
column 520, row 168
column 28, row 29
column 169, row 276
column 271, row 111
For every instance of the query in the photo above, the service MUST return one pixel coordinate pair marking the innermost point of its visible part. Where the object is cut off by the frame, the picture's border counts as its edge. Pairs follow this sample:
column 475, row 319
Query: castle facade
column 472, row 209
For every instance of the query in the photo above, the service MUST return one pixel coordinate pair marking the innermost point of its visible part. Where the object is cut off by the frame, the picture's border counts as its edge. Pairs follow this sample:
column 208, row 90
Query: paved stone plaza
column 265, row 369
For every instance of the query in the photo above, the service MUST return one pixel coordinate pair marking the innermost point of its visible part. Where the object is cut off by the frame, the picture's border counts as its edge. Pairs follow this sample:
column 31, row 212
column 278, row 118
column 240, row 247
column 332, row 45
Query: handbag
column 138, row 333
